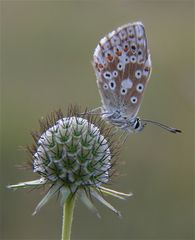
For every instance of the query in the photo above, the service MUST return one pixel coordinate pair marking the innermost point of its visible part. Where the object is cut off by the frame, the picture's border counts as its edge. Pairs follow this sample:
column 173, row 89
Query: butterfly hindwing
column 122, row 65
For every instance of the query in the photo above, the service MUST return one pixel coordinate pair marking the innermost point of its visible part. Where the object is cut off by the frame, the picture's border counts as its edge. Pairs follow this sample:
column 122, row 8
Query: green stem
column 67, row 217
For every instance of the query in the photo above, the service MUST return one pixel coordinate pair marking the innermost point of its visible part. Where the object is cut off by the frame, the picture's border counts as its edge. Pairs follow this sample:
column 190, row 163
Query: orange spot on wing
column 110, row 58
column 119, row 53
column 126, row 48
column 101, row 66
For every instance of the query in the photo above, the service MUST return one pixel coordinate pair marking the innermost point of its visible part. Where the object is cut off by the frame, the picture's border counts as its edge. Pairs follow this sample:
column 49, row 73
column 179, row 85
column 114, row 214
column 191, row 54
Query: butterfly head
column 136, row 125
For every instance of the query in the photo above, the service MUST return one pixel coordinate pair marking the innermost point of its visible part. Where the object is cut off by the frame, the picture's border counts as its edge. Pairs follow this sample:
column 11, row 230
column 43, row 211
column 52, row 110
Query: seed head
column 73, row 154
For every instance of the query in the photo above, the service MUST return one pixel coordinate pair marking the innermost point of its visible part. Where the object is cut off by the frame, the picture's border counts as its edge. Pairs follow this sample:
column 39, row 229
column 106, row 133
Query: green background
column 46, row 53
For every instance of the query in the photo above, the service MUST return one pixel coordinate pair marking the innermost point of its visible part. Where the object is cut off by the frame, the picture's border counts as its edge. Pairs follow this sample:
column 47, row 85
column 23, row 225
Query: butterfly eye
column 138, row 74
column 119, row 66
column 140, row 87
column 112, row 85
column 115, row 74
column 133, row 99
column 133, row 59
column 137, row 124
column 107, row 75
column 123, row 91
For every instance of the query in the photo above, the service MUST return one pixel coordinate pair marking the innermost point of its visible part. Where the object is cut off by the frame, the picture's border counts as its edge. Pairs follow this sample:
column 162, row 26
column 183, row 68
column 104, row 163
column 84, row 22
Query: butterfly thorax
column 123, row 122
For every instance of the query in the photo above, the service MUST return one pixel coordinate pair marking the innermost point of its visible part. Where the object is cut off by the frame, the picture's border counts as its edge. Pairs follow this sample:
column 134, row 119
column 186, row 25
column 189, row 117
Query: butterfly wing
column 122, row 65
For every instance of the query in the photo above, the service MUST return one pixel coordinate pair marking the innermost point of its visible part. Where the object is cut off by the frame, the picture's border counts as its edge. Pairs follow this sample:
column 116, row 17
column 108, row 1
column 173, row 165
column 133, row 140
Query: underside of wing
column 122, row 65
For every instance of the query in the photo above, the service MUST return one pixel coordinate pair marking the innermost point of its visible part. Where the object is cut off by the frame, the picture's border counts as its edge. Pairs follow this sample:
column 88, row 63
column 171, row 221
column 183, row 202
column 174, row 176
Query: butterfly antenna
column 170, row 129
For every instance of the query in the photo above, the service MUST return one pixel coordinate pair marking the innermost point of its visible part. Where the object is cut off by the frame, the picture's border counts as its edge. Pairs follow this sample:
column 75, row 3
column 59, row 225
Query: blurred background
column 46, row 53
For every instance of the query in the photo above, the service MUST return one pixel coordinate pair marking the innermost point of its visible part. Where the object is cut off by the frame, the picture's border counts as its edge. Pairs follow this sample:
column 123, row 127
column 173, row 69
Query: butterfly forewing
column 122, row 65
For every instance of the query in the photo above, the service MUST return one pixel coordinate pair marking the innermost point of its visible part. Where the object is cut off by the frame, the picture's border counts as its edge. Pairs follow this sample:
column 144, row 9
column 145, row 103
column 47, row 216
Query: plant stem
column 68, row 210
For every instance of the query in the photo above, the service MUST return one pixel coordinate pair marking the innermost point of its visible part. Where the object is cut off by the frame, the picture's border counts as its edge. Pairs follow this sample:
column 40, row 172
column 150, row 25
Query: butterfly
column 122, row 65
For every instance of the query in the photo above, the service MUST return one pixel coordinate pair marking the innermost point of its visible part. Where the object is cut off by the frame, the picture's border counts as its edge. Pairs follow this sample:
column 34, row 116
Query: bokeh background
column 46, row 53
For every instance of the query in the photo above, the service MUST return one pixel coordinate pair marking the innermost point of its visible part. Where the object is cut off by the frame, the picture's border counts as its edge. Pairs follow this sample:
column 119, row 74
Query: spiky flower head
column 74, row 155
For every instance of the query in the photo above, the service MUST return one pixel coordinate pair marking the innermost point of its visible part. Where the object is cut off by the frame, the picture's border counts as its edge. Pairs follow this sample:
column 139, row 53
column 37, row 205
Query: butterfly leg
column 123, row 137
column 94, row 111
